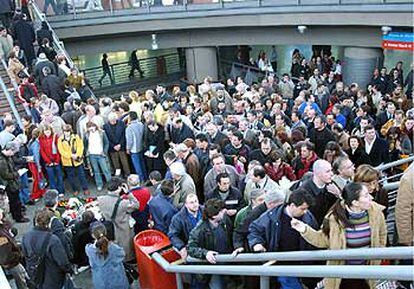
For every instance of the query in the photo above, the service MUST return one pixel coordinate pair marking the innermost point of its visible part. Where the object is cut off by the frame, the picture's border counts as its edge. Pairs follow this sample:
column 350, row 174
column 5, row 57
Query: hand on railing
column 211, row 257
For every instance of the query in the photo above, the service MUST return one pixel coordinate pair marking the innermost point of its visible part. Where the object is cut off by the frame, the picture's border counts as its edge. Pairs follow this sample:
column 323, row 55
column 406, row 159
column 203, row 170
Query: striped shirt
column 359, row 234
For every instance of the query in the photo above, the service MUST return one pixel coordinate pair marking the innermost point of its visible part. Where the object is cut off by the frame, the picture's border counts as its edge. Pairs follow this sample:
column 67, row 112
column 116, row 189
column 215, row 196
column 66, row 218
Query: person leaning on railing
column 353, row 222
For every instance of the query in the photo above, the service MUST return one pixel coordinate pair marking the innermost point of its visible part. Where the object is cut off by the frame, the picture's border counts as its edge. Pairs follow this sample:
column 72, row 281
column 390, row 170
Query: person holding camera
column 70, row 147
column 117, row 206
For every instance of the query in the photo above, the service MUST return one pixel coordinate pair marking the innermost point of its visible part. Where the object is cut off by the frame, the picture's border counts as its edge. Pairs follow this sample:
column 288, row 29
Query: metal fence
column 265, row 271
column 152, row 67
column 78, row 8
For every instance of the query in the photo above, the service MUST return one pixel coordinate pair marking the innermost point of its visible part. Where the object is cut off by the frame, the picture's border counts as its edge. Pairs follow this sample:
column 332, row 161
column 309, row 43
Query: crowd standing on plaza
column 286, row 164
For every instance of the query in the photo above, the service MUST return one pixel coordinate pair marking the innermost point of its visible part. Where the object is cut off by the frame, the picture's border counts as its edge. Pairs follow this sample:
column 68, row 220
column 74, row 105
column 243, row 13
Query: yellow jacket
column 66, row 148
column 337, row 240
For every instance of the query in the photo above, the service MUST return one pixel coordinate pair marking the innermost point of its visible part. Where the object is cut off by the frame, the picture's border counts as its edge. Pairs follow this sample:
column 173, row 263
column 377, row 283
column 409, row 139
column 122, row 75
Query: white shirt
column 368, row 146
column 95, row 143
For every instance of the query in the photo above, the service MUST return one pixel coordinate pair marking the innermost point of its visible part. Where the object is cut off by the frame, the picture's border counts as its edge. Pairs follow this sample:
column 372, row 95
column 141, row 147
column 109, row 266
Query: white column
column 200, row 63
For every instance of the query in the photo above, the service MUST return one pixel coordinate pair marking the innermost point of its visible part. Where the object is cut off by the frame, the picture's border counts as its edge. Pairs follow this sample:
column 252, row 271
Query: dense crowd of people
column 286, row 164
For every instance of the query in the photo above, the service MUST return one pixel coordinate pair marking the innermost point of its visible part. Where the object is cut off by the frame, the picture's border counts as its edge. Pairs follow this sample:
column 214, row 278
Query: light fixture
column 386, row 29
column 302, row 29
column 154, row 43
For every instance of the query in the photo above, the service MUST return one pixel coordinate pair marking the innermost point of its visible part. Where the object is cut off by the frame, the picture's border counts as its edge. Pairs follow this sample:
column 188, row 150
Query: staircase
column 5, row 106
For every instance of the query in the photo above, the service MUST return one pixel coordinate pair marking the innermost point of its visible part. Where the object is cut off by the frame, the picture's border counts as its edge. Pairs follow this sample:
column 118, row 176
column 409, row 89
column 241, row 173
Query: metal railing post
column 10, row 100
column 111, row 7
column 264, row 282
column 112, row 79
column 74, row 9
column 179, row 279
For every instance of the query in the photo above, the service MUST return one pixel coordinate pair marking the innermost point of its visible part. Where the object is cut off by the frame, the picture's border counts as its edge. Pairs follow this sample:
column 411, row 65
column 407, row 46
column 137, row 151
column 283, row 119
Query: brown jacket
column 193, row 168
column 404, row 209
column 336, row 239
column 9, row 251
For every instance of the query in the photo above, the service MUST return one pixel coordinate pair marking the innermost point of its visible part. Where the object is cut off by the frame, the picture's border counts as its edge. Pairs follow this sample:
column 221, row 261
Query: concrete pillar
column 201, row 62
column 359, row 63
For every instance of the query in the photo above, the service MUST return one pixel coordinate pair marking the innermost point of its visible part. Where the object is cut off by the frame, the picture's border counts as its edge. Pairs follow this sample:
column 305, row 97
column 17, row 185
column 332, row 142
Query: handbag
column 130, row 272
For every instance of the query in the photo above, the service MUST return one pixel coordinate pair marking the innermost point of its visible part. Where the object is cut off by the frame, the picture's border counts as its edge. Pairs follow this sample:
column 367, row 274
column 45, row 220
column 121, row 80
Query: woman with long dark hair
column 106, row 260
column 353, row 222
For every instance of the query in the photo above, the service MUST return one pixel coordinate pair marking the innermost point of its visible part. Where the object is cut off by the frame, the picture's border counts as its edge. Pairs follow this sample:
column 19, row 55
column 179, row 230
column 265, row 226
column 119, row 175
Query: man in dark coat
column 183, row 222
column 161, row 207
column 180, row 131
column 320, row 135
column 56, row 262
column 211, row 236
column 375, row 147
column 231, row 196
column 385, row 116
column 44, row 32
column 42, row 62
column 322, row 189
column 134, row 63
column 52, row 86
column 23, row 32
column 9, row 179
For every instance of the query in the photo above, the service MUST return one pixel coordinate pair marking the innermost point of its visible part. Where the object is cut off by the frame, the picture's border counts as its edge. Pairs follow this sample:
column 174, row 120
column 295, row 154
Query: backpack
column 36, row 265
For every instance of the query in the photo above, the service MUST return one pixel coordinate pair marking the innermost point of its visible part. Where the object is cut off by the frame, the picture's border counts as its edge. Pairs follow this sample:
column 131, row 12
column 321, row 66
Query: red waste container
column 151, row 275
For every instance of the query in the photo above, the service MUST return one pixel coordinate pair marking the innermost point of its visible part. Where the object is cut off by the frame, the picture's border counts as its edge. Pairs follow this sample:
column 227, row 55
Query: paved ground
column 82, row 280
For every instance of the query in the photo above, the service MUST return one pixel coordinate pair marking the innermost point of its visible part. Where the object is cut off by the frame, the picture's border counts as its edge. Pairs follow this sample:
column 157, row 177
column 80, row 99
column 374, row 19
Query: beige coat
column 15, row 66
column 336, row 240
column 124, row 234
column 404, row 209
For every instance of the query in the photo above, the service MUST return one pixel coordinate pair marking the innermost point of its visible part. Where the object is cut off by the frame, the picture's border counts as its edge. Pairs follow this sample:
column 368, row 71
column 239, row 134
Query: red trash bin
column 151, row 275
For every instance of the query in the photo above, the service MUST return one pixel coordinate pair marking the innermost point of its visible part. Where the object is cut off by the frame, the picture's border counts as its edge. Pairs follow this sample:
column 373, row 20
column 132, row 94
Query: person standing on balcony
column 134, row 63
column 106, row 69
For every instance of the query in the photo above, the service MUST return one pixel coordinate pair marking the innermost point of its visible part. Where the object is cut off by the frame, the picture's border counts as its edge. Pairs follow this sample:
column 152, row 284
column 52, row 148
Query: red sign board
column 397, row 45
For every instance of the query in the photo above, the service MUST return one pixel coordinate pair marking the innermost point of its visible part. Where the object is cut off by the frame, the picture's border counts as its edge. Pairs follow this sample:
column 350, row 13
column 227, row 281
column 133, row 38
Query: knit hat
column 177, row 168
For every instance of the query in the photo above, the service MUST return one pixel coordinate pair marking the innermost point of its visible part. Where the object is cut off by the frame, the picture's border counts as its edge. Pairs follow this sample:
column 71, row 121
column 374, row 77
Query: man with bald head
column 320, row 186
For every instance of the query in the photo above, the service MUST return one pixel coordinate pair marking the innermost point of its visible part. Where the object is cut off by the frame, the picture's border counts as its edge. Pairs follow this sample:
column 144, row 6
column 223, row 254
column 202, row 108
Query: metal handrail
column 340, row 271
column 11, row 102
column 386, row 166
column 393, row 253
column 59, row 44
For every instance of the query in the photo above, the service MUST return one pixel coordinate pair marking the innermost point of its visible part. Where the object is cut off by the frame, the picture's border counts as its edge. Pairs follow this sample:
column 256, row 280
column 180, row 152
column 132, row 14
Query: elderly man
column 344, row 172
column 183, row 184
column 259, row 181
column 320, row 187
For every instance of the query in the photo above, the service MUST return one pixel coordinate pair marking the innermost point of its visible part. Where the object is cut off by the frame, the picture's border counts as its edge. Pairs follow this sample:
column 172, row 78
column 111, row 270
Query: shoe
column 99, row 189
column 23, row 220
column 61, row 195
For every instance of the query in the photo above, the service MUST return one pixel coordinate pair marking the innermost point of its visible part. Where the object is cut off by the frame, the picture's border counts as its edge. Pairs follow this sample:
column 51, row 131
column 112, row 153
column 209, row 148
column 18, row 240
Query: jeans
column 216, row 282
column 139, row 165
column 80, row 177
column 99, row 167
column 24, row 192
column 55, row 177
column 105, row 73
column 289, row 282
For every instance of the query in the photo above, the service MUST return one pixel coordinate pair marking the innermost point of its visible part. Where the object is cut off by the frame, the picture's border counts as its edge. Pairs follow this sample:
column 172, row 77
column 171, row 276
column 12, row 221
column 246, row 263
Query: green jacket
column 8, row 174
column 241, row 215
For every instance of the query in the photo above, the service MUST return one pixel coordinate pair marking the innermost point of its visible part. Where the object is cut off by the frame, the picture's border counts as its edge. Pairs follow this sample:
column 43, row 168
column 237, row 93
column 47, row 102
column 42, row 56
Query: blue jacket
column 162, row 210
column 180, row 228
column 116, row 135
column 107, row 273
column 266, row 229
column 135, row 136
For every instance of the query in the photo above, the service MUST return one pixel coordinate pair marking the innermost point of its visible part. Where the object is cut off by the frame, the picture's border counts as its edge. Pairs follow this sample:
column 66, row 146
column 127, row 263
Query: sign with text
column 398, row 41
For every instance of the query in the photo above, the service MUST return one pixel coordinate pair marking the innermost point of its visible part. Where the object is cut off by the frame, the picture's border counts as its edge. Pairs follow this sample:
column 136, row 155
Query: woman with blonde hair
column 368, row 175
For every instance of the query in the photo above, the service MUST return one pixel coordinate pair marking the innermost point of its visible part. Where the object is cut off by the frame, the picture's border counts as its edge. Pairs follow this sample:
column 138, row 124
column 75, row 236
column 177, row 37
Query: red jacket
column 302, row 166
column 48, row 154
column 143, row 196
column 283, row 170
column 27, row 91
